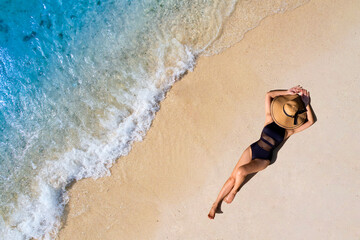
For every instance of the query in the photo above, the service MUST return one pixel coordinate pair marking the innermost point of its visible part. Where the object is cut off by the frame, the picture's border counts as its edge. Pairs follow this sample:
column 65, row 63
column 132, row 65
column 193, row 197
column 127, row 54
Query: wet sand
column 165, row 187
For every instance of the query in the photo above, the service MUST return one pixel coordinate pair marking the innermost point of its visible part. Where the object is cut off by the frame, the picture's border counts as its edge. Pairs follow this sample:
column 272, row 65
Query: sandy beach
column 165, row 187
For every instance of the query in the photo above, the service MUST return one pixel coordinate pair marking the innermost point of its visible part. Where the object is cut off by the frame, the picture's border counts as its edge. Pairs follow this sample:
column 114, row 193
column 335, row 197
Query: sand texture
column 165, row 187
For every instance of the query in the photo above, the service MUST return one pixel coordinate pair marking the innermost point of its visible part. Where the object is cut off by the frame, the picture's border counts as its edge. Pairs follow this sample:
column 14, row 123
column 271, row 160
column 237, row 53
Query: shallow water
column 80, row 81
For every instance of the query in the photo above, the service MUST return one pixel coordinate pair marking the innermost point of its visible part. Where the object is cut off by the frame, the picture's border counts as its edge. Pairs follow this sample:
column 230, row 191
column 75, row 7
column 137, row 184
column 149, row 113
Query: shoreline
column 165, row 186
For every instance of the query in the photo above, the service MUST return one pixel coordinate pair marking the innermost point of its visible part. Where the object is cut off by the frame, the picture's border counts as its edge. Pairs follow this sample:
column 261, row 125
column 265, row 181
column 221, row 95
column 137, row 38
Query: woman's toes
column 211, row 214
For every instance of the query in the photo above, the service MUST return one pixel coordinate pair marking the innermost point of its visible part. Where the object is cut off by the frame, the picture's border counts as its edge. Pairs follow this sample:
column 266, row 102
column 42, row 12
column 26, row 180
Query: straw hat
column 288, row 111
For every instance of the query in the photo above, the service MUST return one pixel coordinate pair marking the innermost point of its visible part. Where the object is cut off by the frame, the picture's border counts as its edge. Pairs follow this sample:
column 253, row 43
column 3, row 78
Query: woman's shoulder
column 268, row 120
column 289, row 132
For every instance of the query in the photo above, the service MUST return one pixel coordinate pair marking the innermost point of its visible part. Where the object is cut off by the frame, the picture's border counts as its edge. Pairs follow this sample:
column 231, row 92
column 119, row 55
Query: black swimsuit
column 271, row 136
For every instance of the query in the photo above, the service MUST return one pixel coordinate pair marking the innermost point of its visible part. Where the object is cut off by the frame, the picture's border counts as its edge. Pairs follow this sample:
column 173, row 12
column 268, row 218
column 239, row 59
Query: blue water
column 79, row 82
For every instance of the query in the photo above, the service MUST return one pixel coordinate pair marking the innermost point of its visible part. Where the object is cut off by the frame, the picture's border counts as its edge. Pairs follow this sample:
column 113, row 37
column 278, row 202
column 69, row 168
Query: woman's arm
column 305, row 97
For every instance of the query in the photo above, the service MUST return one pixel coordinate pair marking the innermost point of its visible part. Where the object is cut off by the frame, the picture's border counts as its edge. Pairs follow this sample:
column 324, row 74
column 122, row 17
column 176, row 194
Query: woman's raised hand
column 305, row 94
column 295, row 90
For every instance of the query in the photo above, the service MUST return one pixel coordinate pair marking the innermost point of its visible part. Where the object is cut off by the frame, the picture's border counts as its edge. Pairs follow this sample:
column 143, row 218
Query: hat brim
column 278, row 115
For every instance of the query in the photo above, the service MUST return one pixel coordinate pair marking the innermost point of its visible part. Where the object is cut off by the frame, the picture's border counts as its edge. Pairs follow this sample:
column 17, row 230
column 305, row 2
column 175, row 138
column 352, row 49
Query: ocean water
column 80, row 81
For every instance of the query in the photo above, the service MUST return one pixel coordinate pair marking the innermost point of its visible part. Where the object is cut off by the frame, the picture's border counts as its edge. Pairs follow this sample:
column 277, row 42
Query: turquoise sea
column 80, row 81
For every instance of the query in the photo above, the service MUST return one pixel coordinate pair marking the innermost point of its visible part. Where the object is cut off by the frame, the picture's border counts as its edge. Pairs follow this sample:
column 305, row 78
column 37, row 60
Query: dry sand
column 164, row 188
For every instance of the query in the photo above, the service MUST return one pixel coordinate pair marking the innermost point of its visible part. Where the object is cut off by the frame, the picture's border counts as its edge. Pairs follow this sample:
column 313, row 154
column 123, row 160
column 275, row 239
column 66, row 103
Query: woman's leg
column 229, row 184
column 254, row 166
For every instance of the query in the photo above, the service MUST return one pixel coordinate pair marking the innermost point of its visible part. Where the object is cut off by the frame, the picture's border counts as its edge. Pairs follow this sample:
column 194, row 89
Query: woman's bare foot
column 211, row 214
column 230, row 197
column 214, row 209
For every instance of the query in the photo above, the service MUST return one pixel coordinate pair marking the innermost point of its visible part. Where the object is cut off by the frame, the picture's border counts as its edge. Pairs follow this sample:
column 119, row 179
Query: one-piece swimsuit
column 271, row 136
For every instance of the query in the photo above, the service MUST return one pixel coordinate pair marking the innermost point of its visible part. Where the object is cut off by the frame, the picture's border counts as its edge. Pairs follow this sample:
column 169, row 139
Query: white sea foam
column 38, row 217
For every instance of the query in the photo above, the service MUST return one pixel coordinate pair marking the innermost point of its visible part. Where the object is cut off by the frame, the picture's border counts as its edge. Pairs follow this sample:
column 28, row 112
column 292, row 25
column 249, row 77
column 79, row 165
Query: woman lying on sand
column 285, row 114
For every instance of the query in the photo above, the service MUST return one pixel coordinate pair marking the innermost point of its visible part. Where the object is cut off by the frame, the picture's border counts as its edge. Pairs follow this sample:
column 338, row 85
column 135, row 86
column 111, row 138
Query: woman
column 286, row 112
